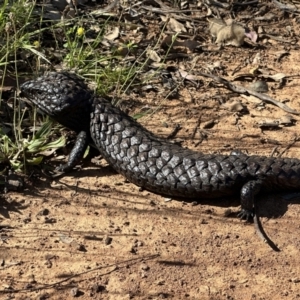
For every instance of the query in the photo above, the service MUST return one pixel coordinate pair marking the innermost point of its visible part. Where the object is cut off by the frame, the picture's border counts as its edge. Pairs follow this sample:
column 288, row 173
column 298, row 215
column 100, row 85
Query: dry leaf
column 173, row 25
column 276, row 77
column 187, row 76
column 234, row 106
column 113, row 35
column 153, row 55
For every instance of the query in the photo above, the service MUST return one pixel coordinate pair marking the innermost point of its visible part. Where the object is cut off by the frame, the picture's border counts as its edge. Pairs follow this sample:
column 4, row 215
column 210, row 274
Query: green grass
column 29, row 45
column 24, row 151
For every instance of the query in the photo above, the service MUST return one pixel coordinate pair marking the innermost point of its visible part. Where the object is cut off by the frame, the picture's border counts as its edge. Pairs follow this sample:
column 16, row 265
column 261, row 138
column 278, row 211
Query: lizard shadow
column 268, row 205
column 275, row 205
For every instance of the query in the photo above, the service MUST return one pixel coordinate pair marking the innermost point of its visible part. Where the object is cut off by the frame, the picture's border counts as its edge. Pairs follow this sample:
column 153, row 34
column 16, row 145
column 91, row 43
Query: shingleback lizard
column 151, row 162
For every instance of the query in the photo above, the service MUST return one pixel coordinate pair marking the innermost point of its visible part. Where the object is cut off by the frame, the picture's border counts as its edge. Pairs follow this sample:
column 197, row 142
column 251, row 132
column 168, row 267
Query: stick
column 241, row 90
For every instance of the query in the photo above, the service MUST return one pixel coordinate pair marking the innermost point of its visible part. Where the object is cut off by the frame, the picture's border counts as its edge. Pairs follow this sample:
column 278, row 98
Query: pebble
column 74, row 292
column 14, row 182
column 144, row 267
column 108, row 240
column 43, row 212
column 81, row 248
column 259, row 86
column 96, row 288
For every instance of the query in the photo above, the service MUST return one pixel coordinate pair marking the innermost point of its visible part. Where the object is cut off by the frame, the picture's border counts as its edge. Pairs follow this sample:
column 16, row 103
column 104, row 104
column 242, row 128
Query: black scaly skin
column 151, row 162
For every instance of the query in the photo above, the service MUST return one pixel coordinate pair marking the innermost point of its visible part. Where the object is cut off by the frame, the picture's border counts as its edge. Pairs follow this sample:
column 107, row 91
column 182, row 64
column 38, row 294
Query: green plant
column 79, row 47
column 27, row 151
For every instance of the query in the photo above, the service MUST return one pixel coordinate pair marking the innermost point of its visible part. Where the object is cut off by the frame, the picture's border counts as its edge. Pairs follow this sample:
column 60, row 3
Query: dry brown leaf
column 276, row 77
column 153, row 55
column 234, row 106
column 187, row 76
column 174, row 25
column 114, row 34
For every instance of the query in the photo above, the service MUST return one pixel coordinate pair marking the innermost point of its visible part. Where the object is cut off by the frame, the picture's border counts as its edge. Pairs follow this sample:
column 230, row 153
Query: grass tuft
column 31, row 43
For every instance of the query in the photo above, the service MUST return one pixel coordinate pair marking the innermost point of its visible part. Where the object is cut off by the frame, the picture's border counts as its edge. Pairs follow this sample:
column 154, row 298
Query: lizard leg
column 248, row 192
column 77, row 152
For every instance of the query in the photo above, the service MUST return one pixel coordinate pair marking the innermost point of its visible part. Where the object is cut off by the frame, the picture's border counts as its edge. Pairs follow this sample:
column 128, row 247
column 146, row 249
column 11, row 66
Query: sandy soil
column 93, row 235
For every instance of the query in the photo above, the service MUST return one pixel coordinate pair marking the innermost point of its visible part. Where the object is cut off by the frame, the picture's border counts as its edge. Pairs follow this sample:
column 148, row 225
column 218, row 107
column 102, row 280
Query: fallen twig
column 196, row 127
column 288, row 146
column 242, row 90
column 174, row 132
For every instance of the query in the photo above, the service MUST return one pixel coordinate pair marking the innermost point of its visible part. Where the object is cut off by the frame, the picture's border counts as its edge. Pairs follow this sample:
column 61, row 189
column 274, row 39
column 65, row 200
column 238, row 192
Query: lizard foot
column 246, row 214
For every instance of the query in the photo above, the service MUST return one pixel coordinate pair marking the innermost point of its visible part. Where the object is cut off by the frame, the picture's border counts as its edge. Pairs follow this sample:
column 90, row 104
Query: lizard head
column 62, row 96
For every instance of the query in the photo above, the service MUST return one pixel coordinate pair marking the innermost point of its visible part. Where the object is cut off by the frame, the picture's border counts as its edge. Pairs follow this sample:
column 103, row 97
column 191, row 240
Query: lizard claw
column 246, row 214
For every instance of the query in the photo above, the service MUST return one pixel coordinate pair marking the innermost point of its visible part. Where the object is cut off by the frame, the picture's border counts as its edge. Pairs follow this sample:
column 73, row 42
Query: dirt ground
column 93, row 235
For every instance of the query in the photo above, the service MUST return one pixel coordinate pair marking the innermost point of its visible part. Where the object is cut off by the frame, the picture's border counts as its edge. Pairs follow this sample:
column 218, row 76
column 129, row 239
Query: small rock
column 269, row 123
column 132, row 250
column 43, row 212
column 48, row 263
column 65, row 239
column 234, row 106
column 81, row 248
column 144, row 267
column 4, row 237
column 44, row 296
column 97, row 288
column 163, row 296
column 286, row 120
column 28, row 286
column 27, row 220
column 50, row 220
column 209, row 124
column 13, row 182
column 31, row 279
column 168, row 199
column 259, row 86
column 108, row 240
column 139, row 243
column 74, row 292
